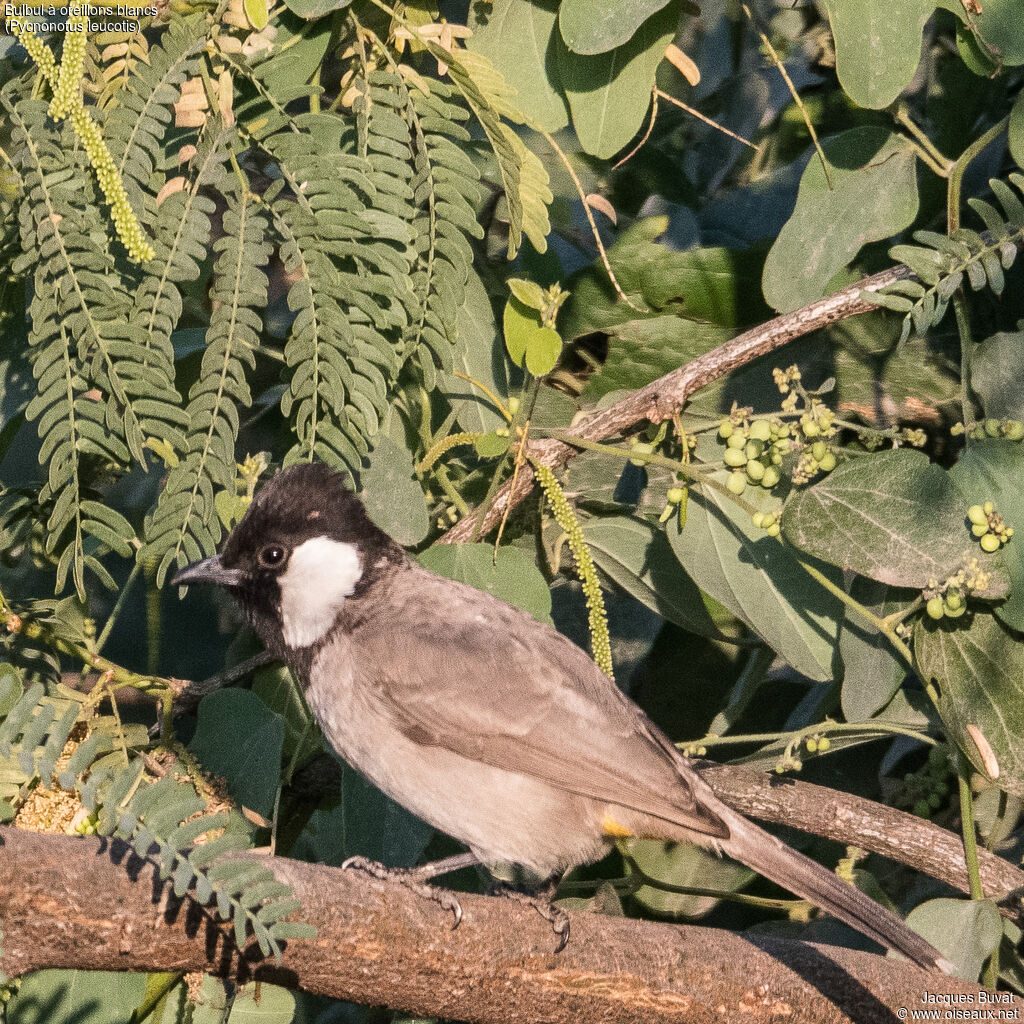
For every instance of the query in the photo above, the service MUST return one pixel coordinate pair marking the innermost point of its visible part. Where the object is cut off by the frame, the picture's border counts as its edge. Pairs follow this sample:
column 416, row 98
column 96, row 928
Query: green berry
column 935, row 608
column 675, row 495
column 954, row 613
column 921, row 809
column 992, row 428
column 760, row 430
column 755, row 471
column 812, row 746
column 736, row 440
column 736, row 483
column 725, row 429
column 824, row 743
column 758, row 519
column 990, row 543
column 989, row 508
column 735, row 458
column 753, row 449
column 954, row 599
column 934, row 801
column 979, row 530
column 782, row 445
column 641, row 448
column 828, row 463
column 771, row 477
column 513, row 405
column 1013, row 430
column 774, row 530
column 819, row 450
column 976, row 514
column 811, row 429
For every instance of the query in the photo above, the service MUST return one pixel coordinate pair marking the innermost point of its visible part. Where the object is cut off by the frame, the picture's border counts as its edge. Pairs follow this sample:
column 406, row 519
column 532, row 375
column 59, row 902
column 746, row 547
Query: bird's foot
column 411, row 879
column 555, row 916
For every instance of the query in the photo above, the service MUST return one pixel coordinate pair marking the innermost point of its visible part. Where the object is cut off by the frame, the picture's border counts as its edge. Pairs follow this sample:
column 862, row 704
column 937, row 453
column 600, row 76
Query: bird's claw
column 407, row 877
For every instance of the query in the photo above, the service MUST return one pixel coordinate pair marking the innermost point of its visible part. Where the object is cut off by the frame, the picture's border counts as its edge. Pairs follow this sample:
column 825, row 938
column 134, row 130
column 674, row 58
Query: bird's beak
column 209, row 570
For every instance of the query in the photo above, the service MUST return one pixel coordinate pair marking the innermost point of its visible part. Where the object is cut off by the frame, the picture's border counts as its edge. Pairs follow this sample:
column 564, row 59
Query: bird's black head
column 304, row 547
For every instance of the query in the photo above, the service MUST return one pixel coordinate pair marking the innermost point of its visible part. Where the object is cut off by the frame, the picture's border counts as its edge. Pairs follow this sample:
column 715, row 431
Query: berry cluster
column 767, row 521
column 1010, row 430
column 989, row 527
column 753, row 450
column 789, row 762
column 927, row 789
column 949, row 598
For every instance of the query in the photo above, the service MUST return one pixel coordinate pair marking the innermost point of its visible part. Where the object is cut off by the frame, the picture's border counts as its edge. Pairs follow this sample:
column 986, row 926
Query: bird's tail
column 808, row 879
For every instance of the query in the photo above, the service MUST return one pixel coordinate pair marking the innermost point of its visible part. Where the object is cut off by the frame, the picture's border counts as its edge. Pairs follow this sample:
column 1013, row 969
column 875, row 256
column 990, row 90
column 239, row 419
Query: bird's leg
column 415, row 879
column 541, row 900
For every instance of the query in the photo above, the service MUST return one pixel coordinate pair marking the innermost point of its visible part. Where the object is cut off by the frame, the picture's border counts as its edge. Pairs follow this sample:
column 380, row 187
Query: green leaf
column 757, row 579
column 978, row 666
column 260, row 1003
column 993, row 470
column 514, row 579
column 256, row 12
column 518, row 38
column 966, row 932
column 595, row 26
column 878, row 46
column 313, row 9
column 239, row 737
column 873, row 196
column 637, row 556
column 609, row 94
column 84, row 997
column 892, row 516
column 997, row 369
column 276, row 687
column 393, row 497
column 479, row 354
column 526, row 338
column 10, row 688
column 362, row 821
column 999, row 26
column 529, row 293
column 492, row 444
column 713, row 286
column 872, row 671
column 683, row 864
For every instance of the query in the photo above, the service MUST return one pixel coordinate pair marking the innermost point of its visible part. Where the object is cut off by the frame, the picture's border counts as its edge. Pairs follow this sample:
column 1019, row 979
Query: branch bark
column 660, row 399
column 93, row 904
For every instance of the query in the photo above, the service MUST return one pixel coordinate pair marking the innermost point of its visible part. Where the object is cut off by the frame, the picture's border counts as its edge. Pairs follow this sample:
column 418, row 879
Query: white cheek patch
column 321, row 573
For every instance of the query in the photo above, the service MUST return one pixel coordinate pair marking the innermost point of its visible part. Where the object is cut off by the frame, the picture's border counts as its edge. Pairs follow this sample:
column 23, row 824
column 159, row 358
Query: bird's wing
column 498, row 687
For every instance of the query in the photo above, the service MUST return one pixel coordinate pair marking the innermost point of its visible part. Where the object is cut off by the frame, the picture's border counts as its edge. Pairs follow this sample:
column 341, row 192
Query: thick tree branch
column 88, row 903
column 660, row 399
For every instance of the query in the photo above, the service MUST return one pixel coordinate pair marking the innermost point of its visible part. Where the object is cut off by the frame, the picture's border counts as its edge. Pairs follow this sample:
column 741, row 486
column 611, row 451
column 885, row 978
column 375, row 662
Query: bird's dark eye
column 271, row 556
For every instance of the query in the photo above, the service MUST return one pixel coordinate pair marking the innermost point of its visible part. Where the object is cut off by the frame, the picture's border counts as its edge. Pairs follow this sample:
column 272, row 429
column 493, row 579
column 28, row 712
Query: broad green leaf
column 518, row 38
column 393, row 498
column 276, row 687
column 872, row 671
column 878, row 46
column 1015, row 132
column 642, row 350
column 978, row 666
column 683, row 864
column 595, row 26
column 967, row 932
column 529, row 293
column 758, row 579
column 637, row 556
column 993, row 470
column 873, row 196
column 81, row 997
column 312, row 9
column 239, row 737
column 997, row 370
column 528, row 340
column 492, row 444
column 260, row 1003
column 713, row 286
column 10, row 688
column 362, row 820
column 893, row 517
column 478, row 353
column 514, row 579
column 256, row 12
column 999, row 27
column 610, row 93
